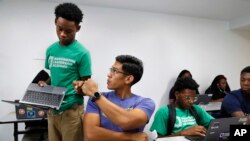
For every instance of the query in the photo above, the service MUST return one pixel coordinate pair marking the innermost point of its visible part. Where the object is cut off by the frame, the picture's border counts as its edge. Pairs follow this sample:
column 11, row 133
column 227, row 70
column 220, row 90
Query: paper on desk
column 152, row 136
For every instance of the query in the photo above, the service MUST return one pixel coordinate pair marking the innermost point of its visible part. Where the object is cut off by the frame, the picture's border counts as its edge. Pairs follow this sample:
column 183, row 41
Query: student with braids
column 219, row 88
column 189, row 120
column 68, row 60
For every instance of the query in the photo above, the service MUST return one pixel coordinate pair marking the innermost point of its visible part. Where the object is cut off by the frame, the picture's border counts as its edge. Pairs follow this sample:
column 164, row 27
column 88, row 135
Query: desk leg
column 15, row 131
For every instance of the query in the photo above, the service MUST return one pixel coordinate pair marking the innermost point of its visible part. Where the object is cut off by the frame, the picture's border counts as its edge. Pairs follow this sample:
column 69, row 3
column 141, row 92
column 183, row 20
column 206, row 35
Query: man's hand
column 78, row 86
column 89, row 87
column 139, row 137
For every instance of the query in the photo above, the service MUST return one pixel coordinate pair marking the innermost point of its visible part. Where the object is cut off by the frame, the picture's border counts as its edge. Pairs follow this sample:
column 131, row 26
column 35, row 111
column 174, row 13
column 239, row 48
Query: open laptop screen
column 47, row 96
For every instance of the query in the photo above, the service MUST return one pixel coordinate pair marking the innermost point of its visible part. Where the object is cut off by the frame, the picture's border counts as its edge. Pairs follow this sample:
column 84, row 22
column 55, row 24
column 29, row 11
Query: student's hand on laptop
column 194, row 131
column 42, row 83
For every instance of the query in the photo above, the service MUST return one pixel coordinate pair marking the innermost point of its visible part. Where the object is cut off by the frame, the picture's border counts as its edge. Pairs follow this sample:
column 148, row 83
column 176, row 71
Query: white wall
column 166, row 44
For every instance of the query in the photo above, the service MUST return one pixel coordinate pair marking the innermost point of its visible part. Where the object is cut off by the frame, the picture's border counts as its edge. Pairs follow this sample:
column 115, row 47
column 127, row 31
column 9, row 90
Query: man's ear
column 129, row 79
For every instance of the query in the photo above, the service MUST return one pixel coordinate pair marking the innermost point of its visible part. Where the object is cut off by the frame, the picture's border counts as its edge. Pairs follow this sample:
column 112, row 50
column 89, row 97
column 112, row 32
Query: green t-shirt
column 66, row 64
column 184, row 119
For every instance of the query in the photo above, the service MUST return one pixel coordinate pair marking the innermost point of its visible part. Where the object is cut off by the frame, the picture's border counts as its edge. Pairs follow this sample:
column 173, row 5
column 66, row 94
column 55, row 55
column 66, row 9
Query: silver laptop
column 47, row 96
column 219, row 129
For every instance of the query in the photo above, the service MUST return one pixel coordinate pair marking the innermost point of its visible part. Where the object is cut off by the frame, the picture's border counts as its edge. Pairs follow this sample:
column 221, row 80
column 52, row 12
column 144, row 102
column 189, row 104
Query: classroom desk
column 211, row 106
column 11, row 118
column 177, row 138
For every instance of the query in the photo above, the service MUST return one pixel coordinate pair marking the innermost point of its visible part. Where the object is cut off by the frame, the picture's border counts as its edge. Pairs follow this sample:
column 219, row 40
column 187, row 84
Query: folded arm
column 93, row 131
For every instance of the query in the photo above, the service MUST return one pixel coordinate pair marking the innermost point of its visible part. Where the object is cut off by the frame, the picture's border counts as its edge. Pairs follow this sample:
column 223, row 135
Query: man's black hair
column 132, row 66
column 69, row 11
column 185, row 83
column 246, row 70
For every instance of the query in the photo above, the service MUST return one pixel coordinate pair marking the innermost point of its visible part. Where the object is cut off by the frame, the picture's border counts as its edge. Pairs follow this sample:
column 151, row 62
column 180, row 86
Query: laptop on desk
column 219, row 129
column 25, row 111
column 47, row 96
column 203, row 99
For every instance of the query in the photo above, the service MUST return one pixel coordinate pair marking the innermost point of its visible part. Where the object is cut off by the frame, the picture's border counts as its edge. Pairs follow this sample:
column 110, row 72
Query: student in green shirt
column 68, row 60
column 185, row 123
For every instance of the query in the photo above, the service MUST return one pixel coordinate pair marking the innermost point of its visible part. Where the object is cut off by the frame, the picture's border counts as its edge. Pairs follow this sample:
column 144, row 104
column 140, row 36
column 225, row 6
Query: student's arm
column 78, row 84
column 93, row 131
column 237, row 114
column 217, row 100
column 125, row 119
column 232, row 105
column 192, row 131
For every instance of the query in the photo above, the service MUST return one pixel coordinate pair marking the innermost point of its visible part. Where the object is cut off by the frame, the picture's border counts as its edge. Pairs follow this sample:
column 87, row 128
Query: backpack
column 172, row 117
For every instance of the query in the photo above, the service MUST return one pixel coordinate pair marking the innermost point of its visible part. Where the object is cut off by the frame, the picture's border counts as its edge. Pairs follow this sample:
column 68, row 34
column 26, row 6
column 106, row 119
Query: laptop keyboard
column 42, row 98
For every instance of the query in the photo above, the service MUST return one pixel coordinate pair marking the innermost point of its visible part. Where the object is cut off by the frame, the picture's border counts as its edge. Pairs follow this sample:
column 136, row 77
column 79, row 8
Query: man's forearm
column 102, row 134
column 123, row 118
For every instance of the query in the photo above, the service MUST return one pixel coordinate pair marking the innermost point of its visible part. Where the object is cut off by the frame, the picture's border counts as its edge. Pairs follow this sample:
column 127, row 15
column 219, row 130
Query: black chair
column 40, row 127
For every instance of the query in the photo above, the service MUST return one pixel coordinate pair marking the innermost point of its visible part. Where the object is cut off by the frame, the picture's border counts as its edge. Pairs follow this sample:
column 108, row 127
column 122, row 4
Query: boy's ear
column 78, row 27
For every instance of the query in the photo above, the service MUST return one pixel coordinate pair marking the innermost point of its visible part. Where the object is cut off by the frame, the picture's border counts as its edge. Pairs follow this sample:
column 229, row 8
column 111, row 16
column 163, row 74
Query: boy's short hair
column 69, row 11
column 246, row 70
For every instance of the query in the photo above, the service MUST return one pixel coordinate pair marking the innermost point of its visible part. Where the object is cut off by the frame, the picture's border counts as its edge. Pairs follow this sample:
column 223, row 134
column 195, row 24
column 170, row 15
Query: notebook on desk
column 219, row 129
column 47, row 96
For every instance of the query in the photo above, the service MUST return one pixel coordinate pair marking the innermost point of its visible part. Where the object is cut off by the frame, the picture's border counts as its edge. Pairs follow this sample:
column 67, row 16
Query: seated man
column 185, row 123
column 118, row 114
column 237, row 103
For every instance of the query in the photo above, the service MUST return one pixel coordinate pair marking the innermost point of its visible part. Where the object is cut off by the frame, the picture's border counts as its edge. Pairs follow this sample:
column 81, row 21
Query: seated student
column 118, row 114
column 185, row 124
column 182, row 74
column 237, row 103
column 219, row 88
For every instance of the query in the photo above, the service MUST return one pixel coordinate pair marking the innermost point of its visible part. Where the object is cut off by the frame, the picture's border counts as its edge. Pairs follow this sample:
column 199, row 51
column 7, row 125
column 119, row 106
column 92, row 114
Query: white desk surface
column 177, row 138
column 212, row 106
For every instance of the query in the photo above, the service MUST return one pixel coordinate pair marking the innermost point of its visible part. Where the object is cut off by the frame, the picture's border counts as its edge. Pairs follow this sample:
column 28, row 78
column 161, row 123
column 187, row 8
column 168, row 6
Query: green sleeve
column 205, row 117
column 85, row 65
column 160, row 121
